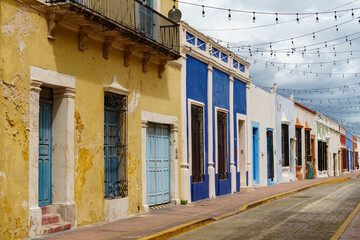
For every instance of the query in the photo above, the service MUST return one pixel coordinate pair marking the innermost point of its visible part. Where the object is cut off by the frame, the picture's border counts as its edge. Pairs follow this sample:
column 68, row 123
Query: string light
column 307, row 34
column 174, row 8
column 229, row 17
column 276, row 19
column 203, row 11
column 253, row 17
column 317, row 17
column 268, row 13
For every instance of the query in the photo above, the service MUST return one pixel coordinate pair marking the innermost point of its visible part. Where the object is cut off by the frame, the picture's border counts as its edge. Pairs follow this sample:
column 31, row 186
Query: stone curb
column 175, row 231
column 347, row 222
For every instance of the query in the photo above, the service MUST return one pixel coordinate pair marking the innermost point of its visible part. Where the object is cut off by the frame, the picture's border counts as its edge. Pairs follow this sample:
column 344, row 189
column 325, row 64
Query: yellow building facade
column 83, row 64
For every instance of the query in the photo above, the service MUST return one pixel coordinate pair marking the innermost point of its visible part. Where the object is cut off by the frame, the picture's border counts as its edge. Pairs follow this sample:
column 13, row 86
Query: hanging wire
column 296, row 37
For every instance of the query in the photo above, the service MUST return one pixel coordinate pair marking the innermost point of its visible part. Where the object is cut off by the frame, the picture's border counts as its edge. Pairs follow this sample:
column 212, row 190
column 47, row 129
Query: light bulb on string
column 174, row 8
column 335, row 16
column 337, row 29
column 276, row 19
column 325, row 44
column 350, row 42
column 292, row 41
column 317, row 17
column 348, row 61
column 352, row 13
column 229, row 17
column 253, row 17
column 313, row 35
column 297, row 18
column 203, row 11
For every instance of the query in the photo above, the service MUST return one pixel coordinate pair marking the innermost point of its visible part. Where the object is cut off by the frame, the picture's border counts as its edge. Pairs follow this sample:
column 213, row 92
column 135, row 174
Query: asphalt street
column 315, row 213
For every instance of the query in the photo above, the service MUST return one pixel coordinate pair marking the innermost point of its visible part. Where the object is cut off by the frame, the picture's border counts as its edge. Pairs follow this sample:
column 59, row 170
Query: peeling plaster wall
column 17, row 28
column 24, row 33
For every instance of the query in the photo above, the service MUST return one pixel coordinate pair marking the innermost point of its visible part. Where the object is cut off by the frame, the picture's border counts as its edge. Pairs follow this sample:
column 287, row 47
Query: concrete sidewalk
column 168, row 222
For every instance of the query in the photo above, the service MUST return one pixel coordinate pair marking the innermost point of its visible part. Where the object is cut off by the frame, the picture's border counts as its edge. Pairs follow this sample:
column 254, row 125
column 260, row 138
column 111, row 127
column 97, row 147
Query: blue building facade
column 214, row 104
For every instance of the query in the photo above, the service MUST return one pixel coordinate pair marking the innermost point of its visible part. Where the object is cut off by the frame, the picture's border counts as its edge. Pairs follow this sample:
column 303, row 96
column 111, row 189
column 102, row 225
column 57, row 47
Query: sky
column 320, row 68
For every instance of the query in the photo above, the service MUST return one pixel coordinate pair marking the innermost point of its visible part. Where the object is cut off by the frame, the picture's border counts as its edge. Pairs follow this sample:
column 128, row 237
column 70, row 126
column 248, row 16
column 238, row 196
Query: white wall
column 261, row 109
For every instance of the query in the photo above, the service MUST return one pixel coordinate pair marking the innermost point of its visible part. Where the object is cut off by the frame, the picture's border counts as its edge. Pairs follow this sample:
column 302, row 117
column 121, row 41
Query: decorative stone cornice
column 161, row 68
column 174, row 128
column 66, row 92
column 145, row 62
column 35, row 86
column 184, row 165
column 144, row 124
column 83, row 39
column 127, row 53
column 107, row 46
column 115, row 87
column 52, row 24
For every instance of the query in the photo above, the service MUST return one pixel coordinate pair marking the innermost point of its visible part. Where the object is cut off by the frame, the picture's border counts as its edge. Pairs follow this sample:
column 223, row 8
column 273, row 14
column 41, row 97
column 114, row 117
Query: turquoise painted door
column 45, row 135
column 158, row 164
column 146, row 19
column 270, row 155
column 256, row 155
column 111, row 161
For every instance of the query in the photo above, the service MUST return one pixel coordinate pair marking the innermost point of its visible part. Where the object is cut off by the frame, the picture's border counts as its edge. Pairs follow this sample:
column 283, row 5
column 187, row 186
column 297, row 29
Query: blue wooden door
column 256, row 155
column 146, row 19
column 270, row 155
column 111, row 161
column 158, row 164
column 45, row 162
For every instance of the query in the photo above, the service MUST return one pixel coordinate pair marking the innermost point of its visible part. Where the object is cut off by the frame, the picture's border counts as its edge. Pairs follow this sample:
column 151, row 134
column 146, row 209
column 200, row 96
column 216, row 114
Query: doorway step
column 52, row 223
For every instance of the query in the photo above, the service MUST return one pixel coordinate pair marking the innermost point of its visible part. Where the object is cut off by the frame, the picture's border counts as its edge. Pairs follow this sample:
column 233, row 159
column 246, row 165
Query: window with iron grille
column 307, row 144
column 285, row 145
column 197, row 143
column 270, row 154
column 344, row 162
column 115, row 146
column 357, row 160
column 222, row 145
column 298, row 146
column 322, row 156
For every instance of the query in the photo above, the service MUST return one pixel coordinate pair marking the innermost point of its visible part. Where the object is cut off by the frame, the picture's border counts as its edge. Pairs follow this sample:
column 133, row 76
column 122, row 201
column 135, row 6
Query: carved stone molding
column 145, row 62
column 35, row 86
column 107, row 46
column 66, row 92
column 52, row 24
column 83, row 39
column 144, row 124
column 161, row 68
column 174, row 128
column 127, row 54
